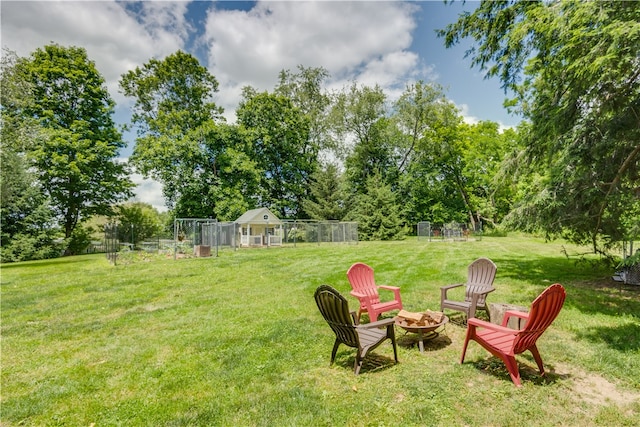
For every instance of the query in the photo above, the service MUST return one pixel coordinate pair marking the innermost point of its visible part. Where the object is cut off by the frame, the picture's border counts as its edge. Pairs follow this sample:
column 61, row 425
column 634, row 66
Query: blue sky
column 247, row 43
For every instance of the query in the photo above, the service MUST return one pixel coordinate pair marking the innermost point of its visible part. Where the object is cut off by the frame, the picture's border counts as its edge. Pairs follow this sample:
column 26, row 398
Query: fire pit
column 424, row 324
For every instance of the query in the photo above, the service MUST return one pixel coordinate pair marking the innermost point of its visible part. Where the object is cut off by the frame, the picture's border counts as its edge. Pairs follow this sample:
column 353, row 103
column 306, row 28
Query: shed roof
column 258, row 216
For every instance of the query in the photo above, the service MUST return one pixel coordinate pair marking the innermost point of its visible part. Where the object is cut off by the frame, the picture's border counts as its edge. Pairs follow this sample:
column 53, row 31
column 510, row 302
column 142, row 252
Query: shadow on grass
column 624, row 338
column 528, row 374
column 410, row 340
column 600, row 295
column 371, row 363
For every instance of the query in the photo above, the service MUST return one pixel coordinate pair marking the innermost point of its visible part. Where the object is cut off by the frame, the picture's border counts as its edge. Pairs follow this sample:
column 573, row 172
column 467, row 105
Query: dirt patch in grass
column 597, row 390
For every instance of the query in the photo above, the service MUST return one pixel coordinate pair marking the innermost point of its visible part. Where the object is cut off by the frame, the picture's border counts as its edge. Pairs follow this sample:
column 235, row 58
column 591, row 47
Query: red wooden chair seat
column 506, row 343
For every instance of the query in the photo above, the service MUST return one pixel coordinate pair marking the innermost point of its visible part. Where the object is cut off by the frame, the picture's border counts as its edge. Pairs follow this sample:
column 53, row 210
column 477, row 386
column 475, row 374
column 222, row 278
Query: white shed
column 259, row 227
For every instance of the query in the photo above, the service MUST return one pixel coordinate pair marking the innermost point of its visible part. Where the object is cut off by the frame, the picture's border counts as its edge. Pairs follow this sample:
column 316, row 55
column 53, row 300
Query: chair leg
column 537, row 358
column 512, row 367
column 358, row 363
column 466, row 342
column 392, row 335
column 334, row 351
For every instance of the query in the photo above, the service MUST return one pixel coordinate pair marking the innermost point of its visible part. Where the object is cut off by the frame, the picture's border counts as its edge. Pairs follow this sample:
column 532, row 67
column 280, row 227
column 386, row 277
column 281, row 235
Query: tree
column 174, row 114
column 416, row 113
column 359, row 115
column 280, row 145
column 574, row 68
column 328, row 200
column 484, row 148
column 377, row 212
column 138, row 221
column 434, row 187
column 304, row 89
column 75, row 158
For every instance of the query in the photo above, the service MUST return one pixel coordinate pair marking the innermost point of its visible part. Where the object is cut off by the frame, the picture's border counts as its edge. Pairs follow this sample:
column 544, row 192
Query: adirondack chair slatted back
column 362, row 280
column 480, row 276
column 335, row 310
column 544, row 309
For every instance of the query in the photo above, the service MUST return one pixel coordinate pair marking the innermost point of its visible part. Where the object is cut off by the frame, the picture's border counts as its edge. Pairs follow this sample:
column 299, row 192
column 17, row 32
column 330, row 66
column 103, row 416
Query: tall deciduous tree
column 359, row 121
column 76, row 158
column 279, row 135
column 305, row 90
column 173, row 101
column 417, row 113
column 575, row 70
column 434, row 187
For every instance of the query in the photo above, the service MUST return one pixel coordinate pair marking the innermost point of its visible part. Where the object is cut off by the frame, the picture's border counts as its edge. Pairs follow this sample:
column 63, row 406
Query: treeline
column 299, row 150
column 571, row 168
column 307, row 153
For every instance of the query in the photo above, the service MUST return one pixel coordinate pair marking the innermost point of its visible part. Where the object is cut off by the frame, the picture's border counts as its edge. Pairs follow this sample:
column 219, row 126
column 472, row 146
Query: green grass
column 238, row 341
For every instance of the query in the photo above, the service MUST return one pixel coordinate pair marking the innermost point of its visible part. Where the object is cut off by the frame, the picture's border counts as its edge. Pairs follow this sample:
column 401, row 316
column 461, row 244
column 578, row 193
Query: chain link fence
column 309, row 231
column 203, row 237
column 453, row 231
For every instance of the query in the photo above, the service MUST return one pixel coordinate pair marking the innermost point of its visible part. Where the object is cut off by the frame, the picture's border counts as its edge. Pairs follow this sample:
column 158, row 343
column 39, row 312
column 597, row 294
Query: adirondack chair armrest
column 445, row 289
column 359, row 295
column 378, row 324
column 510, row 313
column 484, row 292
column 474, row 322
column 394, row 289
column 476, row 295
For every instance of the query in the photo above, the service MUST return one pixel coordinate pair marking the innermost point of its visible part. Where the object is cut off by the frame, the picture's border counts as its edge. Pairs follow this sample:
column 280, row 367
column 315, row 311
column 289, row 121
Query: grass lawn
column 238, row 341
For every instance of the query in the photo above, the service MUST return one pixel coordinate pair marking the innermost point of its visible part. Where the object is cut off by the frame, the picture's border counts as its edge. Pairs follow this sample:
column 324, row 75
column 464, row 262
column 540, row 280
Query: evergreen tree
column 377, row 212
column 328, row 196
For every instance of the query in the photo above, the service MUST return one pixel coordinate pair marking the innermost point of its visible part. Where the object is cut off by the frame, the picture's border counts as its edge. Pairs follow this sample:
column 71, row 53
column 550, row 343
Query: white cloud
column 363, row 41
column 116, row 39
column 472, row 120
column 148, row 191
column 466, row 116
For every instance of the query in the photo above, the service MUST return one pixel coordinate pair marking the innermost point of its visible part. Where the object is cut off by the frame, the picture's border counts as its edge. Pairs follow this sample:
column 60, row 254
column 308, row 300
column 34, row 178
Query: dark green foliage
column 28, row 227
column 278, row 134
column 328, row 197
column 183, row 142
column 137, row 222
column 377, row 212
column 75, row 157
column 574, row 69
column 79, row 240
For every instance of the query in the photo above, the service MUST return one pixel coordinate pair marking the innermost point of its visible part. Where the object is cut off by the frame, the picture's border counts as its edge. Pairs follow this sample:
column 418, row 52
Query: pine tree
column 328, row 200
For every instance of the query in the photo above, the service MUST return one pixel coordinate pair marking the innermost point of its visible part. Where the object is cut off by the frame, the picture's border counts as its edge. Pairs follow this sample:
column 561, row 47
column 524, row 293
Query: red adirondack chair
column 364, row 287
column 505, row 343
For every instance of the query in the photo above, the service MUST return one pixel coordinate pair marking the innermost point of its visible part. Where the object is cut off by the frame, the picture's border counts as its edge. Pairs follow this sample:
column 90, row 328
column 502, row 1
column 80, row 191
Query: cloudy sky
column 248, row 43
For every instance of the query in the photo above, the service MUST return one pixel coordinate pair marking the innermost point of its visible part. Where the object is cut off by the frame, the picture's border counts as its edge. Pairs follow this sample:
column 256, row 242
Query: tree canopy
column 57, row 118
column 570, row 169
column 183, row 141
column 574, row 70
